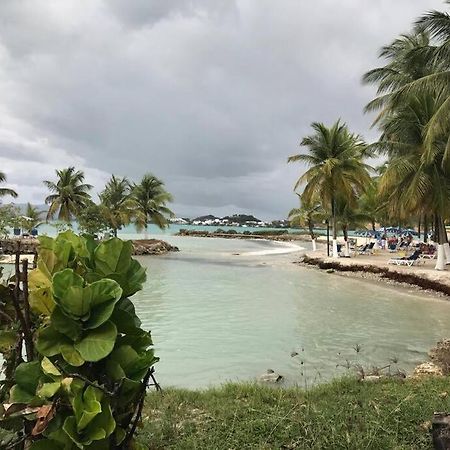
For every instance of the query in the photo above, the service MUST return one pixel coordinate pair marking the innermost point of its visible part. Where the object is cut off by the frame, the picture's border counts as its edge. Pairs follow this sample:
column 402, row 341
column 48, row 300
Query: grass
column 343, row 414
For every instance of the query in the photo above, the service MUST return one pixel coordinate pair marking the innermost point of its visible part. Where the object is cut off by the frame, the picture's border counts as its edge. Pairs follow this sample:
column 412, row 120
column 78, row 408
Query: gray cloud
column 210, row 95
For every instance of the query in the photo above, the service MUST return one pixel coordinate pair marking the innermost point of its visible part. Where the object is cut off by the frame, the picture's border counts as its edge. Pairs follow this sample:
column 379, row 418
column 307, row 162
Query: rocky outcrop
column 427, row 369
column 141, row 247
column 152, row 247
column 26, row 246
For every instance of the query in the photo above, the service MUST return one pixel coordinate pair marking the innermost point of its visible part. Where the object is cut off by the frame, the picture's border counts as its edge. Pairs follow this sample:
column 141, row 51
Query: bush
column 87, row 378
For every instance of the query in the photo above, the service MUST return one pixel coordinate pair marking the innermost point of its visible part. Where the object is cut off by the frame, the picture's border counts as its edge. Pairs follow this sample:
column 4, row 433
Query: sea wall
column 29, row 246
column 280, row 235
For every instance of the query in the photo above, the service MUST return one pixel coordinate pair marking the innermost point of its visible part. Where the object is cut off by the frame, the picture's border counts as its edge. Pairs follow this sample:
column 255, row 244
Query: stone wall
column 29, row 246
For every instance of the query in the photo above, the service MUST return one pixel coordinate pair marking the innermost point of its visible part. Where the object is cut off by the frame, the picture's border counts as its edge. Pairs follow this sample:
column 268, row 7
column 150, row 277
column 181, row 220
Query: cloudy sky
column 210, row 95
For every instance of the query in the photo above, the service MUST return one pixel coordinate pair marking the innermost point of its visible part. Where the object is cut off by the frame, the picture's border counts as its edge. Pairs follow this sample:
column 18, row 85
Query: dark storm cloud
column 210, row 95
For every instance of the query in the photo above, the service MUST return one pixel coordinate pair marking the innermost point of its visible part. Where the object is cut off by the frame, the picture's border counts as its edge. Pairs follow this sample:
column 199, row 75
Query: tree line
column 412, row 186
column 121, row 202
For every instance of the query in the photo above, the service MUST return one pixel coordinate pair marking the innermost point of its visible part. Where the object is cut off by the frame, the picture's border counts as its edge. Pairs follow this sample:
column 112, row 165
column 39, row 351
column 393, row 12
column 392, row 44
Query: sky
column 211, row 96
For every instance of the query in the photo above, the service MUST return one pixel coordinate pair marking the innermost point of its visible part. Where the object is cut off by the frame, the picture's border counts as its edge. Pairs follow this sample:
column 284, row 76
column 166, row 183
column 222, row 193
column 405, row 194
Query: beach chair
column 407, row 260
column 368, row 250
column 363, row 248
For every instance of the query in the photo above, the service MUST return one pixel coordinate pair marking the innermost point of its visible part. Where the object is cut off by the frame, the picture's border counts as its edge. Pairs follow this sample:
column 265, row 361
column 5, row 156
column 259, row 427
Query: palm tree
column 150, row 198
column 349, row 217
column 5, row 191
column 116, row 203
column 414, row 183
column 416, row 178
column 307, row 215
column 336, row 168
column 68, row 195
column 32, row 217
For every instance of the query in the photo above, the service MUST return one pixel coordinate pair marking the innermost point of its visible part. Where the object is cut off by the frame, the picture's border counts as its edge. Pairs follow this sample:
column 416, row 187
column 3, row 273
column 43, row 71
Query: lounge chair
column 407, row 260
column 363, row 248
column 368, row 249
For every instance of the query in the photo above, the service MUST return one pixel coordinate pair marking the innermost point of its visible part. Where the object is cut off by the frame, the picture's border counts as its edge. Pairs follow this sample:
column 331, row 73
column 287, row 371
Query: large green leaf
column 49, row 341
column 49, row 368
column 69, row 293
column 103, row 294
column 138, row 338
column 71, row 355
column 20, row 395
column 113, row 256
column 103, row 425
column 97, row 344
column 86, row 406
column 27, row 376
column 124, row 316
column 40, row 286
column 48, row 390
column 78, row 243
column 103, row 291
column 65, row 324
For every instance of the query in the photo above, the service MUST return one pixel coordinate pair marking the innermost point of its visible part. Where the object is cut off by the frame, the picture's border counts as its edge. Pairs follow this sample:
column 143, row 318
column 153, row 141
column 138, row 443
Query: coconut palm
column 116, row 203
column 308, row 214
column 415, row 183
column 336, row 168
column 68, row 195
column 150, row 198
column 416, row 178
column 5, row 191
column 32, row 217
column 349, row 217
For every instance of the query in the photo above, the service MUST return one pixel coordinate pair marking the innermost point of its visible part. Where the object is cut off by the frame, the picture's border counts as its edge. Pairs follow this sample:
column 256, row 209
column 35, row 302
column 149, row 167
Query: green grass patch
column 344, row 414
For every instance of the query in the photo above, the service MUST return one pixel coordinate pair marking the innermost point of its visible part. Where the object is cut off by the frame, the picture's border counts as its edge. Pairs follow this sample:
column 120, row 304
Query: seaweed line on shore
column 367, row 271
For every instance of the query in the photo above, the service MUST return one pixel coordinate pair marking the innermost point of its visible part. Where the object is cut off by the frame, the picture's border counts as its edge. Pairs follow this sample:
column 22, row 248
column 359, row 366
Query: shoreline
column 374, row 273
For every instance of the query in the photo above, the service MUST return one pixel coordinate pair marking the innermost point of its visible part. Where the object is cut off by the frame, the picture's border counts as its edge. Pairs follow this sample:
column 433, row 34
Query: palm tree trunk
column 439, row 231
column 373, row 225
column 347, row 246
column 313, row 236
column 333, row 213
column 425, row 228
column 418, row 225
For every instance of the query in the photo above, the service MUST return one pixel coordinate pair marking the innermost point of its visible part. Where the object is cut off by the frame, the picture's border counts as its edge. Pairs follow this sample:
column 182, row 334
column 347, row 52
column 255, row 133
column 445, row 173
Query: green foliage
column 92, row 356
column 8, row 219
column 92, row 219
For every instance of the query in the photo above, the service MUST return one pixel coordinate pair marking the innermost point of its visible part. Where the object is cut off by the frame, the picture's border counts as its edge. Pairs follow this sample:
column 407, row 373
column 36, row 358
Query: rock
column 141, row 247
column 330, row 271
column 270, row 377
column 152, row 247
column 440, row 355
column 427, row 369
column 372, row 378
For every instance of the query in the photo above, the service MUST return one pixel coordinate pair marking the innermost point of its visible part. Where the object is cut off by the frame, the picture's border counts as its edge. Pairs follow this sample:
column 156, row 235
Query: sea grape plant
column 93, row 361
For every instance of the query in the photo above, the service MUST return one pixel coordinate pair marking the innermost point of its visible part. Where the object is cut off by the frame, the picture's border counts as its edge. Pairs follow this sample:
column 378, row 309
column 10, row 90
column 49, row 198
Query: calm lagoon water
column 220, row 311
column 217, row 316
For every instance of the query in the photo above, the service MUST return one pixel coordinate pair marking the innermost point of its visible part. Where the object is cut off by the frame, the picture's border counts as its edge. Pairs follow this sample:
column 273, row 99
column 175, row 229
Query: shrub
column 85, row 384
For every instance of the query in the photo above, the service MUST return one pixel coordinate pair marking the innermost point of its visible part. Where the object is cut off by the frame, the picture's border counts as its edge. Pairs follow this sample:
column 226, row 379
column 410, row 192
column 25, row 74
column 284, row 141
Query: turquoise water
column 130, row 232
column 217, row 316
column 219, row 311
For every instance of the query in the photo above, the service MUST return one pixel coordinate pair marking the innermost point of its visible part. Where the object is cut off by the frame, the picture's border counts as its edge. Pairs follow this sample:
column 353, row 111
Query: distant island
column 236, row 220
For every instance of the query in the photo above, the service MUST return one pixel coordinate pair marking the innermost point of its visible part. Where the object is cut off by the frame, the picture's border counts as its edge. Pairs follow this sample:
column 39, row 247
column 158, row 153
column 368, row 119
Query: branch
column 140, row 405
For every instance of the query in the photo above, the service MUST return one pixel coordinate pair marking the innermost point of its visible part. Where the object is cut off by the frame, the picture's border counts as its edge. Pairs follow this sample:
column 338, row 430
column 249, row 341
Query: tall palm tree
column 416, row 179
column 5, row 191
column 150, row 198
column 32, row 217
column 308, row 214
column 336, row 168
column 68, row 195
column 414, row 183
column 116, row 203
